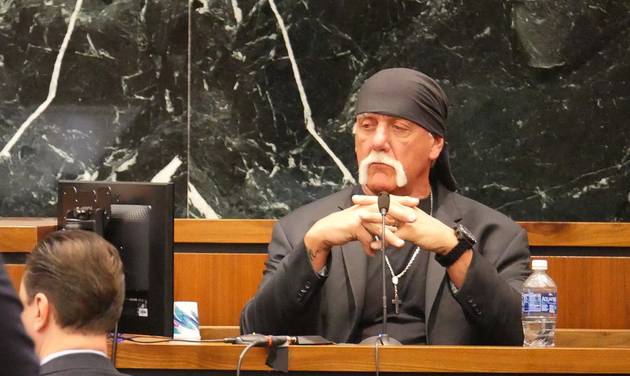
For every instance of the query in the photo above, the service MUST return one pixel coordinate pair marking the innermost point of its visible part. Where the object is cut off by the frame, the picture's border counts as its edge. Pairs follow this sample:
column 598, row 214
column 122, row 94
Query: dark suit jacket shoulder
column 17, row 356
column 80, row 364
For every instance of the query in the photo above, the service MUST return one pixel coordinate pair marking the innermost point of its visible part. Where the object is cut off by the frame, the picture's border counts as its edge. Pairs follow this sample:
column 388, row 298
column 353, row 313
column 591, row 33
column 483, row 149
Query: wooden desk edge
column 354, row 358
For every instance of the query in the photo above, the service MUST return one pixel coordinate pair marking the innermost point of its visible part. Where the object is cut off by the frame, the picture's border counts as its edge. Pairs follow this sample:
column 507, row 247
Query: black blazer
column 292, row 299
column 17, row 356
column 80, row 364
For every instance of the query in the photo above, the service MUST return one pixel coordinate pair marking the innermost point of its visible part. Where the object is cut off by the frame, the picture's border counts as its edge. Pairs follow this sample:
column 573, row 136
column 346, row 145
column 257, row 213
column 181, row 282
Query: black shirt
column 408, row 326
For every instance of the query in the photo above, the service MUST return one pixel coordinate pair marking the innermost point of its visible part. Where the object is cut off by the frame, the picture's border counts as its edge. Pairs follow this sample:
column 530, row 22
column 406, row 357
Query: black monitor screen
column 137, row 218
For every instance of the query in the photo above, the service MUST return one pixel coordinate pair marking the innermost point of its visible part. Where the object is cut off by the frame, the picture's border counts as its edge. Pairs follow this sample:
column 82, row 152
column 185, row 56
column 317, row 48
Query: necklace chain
column 396, row 277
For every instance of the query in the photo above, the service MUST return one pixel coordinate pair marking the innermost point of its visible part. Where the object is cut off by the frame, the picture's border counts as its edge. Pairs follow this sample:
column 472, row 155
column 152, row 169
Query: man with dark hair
column 72, row 290
column 17, row 357
column 454, row 266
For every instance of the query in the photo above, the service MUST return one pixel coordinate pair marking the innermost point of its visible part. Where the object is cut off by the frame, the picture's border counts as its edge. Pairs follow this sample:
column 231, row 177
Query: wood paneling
column 220, row 283
column 214, row 332
column 404, row 359
column 578, row 234
column 15, row 272
column 247, row 231
column 22, row 234
column 593, row 292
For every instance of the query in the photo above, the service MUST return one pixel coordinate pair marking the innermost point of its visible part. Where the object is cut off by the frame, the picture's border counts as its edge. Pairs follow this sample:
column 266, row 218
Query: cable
column 114, row 345
column 377, row 359
column 242, row 356
column 150, row 339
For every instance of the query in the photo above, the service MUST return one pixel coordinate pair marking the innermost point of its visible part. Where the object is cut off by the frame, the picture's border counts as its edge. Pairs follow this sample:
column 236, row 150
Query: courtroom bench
column 219, row 263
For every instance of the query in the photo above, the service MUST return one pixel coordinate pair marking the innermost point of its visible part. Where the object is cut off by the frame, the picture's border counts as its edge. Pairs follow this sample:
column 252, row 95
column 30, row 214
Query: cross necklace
column 396, row 277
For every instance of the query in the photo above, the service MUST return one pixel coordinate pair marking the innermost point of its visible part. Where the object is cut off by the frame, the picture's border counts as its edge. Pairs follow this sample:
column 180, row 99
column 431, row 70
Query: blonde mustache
column 380, row 157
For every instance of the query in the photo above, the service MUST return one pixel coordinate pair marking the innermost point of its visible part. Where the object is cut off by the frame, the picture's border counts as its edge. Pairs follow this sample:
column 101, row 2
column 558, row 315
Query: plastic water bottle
column 540, row 307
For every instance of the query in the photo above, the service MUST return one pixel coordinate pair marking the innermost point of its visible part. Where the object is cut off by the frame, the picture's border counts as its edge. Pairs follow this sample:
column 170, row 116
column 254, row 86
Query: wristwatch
column 465, row 239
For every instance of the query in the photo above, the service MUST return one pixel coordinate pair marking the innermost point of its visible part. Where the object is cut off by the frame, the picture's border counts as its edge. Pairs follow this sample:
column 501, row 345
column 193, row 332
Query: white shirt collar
column 59, row 354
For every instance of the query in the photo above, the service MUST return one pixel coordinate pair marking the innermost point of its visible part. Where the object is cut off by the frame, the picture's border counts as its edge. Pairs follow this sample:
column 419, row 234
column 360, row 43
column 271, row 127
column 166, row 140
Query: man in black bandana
column 454, row 266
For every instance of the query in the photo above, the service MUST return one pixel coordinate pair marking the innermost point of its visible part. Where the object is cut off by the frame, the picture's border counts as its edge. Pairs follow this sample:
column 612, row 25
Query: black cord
column 114, row 345
column 242, row 356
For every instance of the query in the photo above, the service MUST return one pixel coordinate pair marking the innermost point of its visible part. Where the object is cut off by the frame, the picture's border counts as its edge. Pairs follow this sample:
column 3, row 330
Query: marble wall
column 247, row 105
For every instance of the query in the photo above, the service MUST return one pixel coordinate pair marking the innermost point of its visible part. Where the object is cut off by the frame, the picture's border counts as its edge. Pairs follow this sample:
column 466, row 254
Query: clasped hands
column 362, row 222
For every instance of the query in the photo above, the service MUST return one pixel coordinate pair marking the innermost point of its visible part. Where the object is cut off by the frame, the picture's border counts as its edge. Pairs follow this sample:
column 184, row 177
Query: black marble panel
column 539, row 96
column 120, row 107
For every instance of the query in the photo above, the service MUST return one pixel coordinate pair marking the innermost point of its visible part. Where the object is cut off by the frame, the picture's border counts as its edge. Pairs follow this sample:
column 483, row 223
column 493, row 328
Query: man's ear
column 43, row 312
column 436, row 149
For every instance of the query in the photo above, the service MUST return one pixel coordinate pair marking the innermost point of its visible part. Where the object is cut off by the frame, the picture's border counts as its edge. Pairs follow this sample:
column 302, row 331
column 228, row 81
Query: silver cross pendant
column 396, row 299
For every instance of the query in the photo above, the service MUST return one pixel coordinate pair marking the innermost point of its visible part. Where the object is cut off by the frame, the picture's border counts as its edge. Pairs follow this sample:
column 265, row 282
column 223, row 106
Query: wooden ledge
column 21, row 234
column 241, row 231
column 355, row 358
column 599, row 338
column 578, row 234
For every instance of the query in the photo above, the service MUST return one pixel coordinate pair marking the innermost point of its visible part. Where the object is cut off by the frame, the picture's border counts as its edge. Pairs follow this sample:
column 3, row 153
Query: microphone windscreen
column 383, row 202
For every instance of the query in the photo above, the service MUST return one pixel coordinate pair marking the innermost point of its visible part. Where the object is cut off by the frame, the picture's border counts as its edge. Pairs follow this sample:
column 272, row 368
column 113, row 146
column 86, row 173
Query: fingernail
column 411, row 218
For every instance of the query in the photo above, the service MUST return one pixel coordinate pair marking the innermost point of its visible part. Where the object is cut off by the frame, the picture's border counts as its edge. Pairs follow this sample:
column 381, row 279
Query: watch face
column 466, row 234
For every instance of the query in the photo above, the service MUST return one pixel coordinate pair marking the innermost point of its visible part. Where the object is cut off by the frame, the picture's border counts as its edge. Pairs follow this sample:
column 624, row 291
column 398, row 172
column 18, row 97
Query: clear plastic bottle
column 540, row 307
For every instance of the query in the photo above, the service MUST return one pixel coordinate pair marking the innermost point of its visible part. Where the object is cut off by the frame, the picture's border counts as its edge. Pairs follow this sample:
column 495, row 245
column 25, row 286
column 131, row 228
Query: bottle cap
column 539, row 264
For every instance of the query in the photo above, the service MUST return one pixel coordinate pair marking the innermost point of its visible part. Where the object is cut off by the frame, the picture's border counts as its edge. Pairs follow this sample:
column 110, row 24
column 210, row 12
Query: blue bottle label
column 548, row 301
column 531, row 303
column 539, row 303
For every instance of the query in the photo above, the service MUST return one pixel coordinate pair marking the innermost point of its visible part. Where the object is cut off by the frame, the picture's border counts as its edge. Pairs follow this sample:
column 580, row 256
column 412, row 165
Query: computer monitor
column 137, row 218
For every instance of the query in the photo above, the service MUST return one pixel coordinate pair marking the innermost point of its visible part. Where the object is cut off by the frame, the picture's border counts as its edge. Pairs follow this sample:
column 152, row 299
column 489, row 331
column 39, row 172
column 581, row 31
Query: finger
column 365, row 238
column 390, row 236
column 375, row 245
column 403, row 214
column 404, row 200
column 364, row 199
column 371, row 217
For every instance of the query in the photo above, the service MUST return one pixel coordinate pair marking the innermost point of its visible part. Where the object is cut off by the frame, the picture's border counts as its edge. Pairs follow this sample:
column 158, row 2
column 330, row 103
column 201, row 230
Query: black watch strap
column 454, row 255
column 466, row 241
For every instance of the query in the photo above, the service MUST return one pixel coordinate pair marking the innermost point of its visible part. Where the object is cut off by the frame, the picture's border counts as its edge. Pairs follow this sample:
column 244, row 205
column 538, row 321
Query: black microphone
column 383, row 202
column 383, row 338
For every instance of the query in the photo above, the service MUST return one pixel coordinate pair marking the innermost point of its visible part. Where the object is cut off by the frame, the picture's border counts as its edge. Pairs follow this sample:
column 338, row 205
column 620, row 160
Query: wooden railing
column 593, row 290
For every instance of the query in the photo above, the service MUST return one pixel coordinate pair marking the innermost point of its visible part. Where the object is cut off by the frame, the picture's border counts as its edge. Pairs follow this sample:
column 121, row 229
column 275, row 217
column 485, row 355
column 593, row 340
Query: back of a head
column 82, row 276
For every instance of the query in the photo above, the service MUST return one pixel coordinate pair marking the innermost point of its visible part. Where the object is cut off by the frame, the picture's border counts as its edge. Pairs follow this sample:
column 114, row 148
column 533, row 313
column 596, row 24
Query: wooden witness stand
column 590, row 262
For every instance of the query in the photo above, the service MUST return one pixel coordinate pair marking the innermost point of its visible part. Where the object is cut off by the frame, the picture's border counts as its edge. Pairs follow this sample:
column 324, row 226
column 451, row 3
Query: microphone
column 383, row 207
column 383, row 203
column 260, row 340
column 383, row 338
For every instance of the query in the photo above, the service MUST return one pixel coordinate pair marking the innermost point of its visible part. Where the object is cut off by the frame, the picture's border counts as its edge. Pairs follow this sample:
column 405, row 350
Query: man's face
column 402, row 140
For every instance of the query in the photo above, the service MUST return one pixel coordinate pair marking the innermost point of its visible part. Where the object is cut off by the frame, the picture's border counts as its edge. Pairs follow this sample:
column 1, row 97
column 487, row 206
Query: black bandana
column 414, row 96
